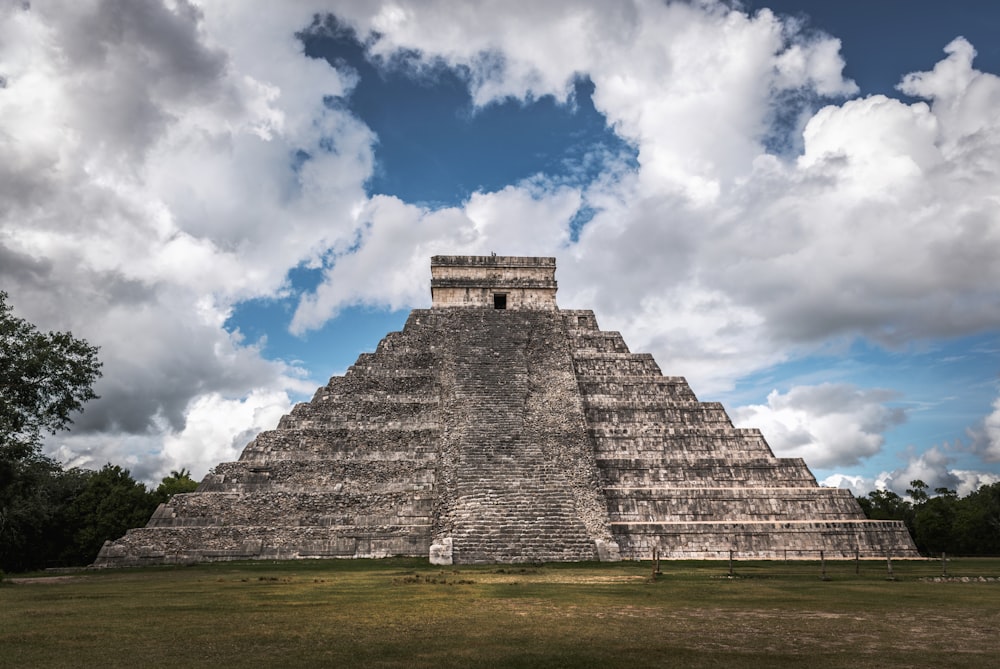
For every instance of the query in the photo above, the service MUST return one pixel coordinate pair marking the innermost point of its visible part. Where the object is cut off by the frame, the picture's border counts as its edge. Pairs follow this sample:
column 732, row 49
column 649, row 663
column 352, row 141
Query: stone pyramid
column 496, row 427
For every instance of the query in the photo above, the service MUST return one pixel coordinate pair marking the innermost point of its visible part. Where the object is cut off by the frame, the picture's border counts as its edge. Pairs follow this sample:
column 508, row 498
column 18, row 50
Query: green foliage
column 62, row 518
column 44, row 378
column 885, row 505
column 977, row 521
column 918, row 491
column 37, row 527
column 176, row 482
column 942, row 522
column 934, row 523
column 110, row 503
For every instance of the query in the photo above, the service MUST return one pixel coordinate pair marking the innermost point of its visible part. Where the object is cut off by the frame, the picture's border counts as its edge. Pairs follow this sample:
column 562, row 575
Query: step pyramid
column 498, row 428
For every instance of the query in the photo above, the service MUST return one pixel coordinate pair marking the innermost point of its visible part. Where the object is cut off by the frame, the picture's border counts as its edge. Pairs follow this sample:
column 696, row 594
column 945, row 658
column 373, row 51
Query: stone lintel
column 493, row 261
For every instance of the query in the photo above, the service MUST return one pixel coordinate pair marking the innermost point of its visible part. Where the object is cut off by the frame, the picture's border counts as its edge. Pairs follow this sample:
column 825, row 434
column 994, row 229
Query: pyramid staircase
column 515, row 442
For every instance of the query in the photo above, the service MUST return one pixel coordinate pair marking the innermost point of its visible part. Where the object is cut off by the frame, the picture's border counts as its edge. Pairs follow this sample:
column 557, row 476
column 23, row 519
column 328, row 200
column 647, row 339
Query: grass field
column 406, row 613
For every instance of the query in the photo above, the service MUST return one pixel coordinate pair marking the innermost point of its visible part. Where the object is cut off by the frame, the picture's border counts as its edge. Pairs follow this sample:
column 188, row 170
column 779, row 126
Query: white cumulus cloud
column 217, row 429
column 829, row 425
column 986, row 437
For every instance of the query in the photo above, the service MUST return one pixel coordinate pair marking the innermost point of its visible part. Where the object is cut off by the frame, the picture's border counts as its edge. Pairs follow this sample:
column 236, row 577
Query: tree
column 934, row 522
column 943, row 521
column 110, row 503
column 918, row 492
column 885, row 505
column 32, row 504
column 176, row 482
column 44, row 379
column 977, row 521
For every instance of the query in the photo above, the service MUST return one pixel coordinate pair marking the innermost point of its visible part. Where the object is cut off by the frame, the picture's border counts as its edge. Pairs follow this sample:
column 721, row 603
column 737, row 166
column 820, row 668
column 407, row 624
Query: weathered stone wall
column 473, row 281
column 765, row 540
column 182, row 545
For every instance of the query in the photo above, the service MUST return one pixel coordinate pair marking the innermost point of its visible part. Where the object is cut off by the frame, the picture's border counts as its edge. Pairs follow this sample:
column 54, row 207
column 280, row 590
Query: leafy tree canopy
column 44, row 378
column 942, row 522
column 110, row 503
column 176, row 482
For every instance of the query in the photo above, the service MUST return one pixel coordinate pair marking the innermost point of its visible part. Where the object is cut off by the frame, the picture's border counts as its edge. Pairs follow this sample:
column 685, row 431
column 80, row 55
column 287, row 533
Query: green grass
column 406, row 613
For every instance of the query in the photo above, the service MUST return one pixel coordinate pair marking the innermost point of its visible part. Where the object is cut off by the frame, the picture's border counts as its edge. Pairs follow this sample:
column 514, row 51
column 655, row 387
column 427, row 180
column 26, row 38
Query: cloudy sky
column 794, row 204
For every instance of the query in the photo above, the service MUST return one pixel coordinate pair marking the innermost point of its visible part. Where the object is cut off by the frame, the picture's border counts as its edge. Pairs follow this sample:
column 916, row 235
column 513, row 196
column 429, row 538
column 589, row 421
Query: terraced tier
column 681, row 480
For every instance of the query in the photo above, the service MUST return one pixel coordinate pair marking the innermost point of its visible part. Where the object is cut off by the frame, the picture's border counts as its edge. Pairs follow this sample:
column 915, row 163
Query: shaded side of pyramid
column 680, row 480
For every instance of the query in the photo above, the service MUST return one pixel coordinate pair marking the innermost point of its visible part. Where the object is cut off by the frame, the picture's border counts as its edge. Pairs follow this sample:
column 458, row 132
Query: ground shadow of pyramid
column 496, row 427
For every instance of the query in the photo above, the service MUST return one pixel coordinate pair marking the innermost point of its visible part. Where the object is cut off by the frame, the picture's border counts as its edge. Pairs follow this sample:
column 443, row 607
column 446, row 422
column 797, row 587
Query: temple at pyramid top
column 493, row 282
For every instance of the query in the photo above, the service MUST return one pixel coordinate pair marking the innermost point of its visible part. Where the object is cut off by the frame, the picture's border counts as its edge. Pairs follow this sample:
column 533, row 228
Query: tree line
column 55, row 517
column 50, row 516
column 940, row 521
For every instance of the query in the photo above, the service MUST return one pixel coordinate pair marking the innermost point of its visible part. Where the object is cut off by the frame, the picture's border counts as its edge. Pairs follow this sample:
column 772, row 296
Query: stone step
column 292, row 507
column 183, row 545
column 687, row 472
column 732, row 503
column 765, row 539
column 369, row 440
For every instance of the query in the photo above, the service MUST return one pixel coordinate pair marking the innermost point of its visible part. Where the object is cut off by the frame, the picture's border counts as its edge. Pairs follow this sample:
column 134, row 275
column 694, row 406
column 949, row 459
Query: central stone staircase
column 515, row 437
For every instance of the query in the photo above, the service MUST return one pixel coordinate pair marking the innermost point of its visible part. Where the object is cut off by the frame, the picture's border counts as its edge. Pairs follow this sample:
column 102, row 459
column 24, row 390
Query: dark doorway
column 499, row 301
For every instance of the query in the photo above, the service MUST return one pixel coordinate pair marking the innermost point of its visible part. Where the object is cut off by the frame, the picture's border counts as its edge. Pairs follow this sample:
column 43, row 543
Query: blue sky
column 884, row 39
column 793, row 204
